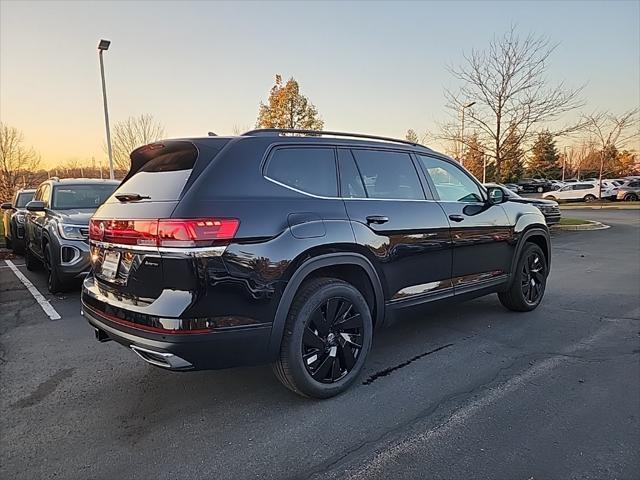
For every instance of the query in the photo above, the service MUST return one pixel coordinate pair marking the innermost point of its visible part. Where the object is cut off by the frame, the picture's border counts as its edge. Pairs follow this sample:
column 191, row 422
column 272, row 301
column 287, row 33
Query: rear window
column 310, row 170
column 67, row 197
column 163, row 171
column 23, row 199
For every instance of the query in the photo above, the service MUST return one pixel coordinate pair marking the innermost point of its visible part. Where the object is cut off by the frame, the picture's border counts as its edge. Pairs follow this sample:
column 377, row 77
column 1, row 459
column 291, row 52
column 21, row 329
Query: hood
column 78, row 216
column 533, row 201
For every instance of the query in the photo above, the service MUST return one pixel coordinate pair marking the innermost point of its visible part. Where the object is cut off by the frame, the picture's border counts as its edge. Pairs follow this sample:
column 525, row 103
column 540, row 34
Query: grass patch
column 573, row 221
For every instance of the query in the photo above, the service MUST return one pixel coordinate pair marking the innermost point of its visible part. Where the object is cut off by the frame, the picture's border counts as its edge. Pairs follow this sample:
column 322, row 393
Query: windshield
column 67, row 197
column 23, row 199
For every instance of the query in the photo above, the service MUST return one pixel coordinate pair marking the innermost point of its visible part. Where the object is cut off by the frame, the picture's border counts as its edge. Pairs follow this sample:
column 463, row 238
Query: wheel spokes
column 354, row 321
column 311, row 339
column 324, row 367
column 346, row 355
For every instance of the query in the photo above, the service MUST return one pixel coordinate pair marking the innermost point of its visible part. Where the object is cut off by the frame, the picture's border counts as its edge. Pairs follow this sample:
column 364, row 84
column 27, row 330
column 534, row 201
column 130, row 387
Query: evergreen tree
column 512, row 166
column 545, row 160
column 474, row 156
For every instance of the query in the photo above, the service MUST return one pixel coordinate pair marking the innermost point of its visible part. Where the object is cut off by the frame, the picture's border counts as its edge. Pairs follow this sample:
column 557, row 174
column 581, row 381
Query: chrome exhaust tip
column 162, row 359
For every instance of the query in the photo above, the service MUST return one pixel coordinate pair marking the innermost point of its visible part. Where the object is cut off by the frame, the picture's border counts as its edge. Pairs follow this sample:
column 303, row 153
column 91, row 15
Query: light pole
column 102, row 46
column 464, row 107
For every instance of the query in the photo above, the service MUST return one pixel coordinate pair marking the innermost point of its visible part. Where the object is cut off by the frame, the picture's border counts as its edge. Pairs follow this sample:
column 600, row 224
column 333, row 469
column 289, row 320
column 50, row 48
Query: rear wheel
column 540, row 189
column 529, row 282
column 326, row 340
column 589, row 198
column 630, row 197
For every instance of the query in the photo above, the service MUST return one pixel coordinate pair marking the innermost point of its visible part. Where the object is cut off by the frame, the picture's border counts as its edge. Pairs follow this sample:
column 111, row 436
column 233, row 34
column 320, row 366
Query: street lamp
column 102, row 46
column 463, row 108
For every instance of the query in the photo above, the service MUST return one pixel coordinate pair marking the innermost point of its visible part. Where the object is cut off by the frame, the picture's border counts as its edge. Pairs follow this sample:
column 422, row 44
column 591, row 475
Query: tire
column 551, row 197
column 589, row 198
column 528, row 286
column 8, row 244
column 54, row 283
column 322, row 353
column 540, row 189
column 31, row 262
column 630, row 197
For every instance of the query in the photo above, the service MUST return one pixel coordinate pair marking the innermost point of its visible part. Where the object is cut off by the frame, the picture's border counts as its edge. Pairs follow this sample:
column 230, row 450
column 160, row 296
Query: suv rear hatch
column 146, row 264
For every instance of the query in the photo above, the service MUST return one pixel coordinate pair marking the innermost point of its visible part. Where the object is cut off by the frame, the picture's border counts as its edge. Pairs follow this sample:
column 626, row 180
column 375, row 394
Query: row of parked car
column 281, row 246
column 588, row 189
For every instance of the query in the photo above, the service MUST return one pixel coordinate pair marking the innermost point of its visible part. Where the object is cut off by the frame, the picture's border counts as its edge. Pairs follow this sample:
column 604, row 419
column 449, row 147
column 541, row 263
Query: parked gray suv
column 13, row 217
column 57, row 227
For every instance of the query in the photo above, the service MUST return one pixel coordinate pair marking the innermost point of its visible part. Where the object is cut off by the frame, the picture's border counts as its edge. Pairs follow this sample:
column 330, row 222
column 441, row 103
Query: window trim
column 432, row 185
column 276, row 147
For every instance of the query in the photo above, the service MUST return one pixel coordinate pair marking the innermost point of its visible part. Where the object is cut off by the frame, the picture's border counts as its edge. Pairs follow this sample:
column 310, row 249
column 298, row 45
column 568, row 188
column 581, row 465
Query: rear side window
column 310, row 170
column 389, row 175
column 163, row 171
column 351, row 185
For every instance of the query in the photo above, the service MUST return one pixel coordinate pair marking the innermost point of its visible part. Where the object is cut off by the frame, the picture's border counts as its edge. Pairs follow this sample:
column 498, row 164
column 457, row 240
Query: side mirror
column 6, row 206
column 36, row 206
column 496, row 195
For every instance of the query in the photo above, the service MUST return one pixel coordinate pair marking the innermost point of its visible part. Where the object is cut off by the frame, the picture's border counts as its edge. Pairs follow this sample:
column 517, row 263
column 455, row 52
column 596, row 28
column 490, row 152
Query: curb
column 599, row 207
column 592, row 225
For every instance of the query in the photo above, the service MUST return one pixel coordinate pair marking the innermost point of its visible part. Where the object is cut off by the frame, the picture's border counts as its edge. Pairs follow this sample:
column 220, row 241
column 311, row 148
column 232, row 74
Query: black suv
column 292, row 247
column 13, row 218
column 57, row 227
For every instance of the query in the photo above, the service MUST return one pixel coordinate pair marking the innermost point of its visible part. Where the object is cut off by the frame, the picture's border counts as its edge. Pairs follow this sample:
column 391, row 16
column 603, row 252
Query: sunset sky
column 368, row 67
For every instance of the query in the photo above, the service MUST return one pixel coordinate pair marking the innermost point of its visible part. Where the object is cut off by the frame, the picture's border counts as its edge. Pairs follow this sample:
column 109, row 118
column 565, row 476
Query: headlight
column 71, row 232
column 20, row 217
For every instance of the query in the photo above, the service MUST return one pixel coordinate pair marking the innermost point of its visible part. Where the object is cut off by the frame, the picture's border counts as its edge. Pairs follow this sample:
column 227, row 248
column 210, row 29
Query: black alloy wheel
column 332, row 340
column 533, row 278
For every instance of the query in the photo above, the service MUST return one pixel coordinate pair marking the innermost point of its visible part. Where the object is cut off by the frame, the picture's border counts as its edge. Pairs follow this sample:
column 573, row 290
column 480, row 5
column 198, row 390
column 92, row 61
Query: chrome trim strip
column 345, row 198
column 76, row 255
column 190, row 251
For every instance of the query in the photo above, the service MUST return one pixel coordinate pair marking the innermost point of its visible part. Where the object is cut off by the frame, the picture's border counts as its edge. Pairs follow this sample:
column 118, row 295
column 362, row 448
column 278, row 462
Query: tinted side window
column 452, row 183
column 311, row 170
column 388, row 175
column 351, row 185
column 634, row 184
column 44, row 194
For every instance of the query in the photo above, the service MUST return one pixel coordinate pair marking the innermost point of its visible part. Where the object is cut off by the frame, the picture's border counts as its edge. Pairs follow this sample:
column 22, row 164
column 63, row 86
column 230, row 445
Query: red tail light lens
column 193, row 233
column 164, row 233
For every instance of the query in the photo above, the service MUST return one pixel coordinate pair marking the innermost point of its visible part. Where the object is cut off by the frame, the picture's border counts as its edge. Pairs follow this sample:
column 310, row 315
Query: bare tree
column 507, row 81
column 18, row 163
column 612, row 133
column 130, row 134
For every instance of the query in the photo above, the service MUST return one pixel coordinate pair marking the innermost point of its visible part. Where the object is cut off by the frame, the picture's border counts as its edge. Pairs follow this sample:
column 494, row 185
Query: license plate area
column 110, row 264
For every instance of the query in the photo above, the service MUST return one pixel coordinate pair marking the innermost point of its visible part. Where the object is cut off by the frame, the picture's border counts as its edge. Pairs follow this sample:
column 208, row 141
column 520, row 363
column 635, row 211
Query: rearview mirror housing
column 36, row 206
column 496, row 195
column 6, row 206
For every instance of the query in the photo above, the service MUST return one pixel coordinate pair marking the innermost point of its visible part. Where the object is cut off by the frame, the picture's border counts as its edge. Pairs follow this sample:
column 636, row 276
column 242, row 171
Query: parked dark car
column 549, row 208
column 57, row 227
column 13, row 219
column 535, row 185
column 293, row 249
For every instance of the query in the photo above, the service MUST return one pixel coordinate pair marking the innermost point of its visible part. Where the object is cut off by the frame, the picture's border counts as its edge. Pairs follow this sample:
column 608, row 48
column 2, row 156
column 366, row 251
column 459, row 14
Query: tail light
column 164, row 232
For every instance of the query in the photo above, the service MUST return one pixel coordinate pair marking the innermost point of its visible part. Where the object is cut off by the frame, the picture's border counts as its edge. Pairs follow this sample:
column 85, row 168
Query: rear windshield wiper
column 131, row 197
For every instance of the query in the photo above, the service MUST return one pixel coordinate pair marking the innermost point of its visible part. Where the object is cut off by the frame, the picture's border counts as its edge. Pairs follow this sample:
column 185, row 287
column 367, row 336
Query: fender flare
column 529, row 232
column 308, row 267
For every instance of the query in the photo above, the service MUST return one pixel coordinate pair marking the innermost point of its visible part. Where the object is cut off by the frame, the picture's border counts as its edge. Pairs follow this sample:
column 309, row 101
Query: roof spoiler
column 172, row 148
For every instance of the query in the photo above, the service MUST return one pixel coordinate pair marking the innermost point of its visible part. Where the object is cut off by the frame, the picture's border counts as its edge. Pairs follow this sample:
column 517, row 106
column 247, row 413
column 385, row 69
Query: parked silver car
column 629, row 191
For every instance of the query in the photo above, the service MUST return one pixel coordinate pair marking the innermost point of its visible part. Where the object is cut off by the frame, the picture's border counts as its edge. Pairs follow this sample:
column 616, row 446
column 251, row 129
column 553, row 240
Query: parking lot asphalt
column 553, row 393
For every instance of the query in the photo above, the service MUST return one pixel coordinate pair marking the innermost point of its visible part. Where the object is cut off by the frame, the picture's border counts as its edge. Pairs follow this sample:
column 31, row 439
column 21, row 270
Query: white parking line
column 43, row 302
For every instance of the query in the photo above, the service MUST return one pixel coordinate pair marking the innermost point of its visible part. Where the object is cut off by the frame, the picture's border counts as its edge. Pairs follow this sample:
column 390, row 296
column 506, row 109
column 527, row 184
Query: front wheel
column 589, row 198
column 326, row 340
column 540, row 189
column 550, row 197
column 54, row 283
column 630, row 197
column 30, row 260
column 529, row 282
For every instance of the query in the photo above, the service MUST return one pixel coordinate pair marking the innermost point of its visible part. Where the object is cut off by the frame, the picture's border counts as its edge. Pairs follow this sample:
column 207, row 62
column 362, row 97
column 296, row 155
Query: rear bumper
column 203, row 351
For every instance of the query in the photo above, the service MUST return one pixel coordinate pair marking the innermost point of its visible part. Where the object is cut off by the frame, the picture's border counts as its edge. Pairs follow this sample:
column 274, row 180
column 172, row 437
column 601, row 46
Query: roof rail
column 319, row 133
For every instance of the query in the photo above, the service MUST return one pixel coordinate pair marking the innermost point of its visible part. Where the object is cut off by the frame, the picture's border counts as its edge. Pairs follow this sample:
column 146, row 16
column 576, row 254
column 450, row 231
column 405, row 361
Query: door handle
column 378, row 219
column 456, row 218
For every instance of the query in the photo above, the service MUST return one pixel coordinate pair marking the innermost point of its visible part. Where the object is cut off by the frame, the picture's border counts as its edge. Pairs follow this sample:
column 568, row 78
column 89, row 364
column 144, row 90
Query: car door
column 483, row 241
column 37, row 220
column 398, row 222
